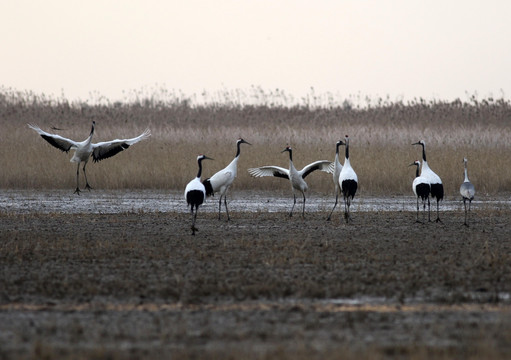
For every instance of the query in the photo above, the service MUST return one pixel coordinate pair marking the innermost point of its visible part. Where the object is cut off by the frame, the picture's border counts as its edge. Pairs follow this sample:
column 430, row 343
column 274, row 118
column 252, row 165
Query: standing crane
column 348, row 180
column 222, row 180
column 467, row 191
column 296, row 178
column 421, row 188
column 195, row 192
column 86, row 149
column 437, row 188
column 336, row 173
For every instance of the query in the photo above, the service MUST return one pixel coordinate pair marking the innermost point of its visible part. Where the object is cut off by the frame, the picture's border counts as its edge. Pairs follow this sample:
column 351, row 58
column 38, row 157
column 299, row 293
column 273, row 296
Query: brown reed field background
column 381, row 133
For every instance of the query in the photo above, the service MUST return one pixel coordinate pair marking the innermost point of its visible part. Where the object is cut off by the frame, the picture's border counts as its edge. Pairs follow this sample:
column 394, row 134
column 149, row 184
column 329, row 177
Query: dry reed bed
column 381, row 138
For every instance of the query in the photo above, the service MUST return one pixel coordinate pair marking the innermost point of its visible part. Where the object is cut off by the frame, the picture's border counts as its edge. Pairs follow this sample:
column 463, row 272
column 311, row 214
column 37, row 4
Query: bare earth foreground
column 138, row 285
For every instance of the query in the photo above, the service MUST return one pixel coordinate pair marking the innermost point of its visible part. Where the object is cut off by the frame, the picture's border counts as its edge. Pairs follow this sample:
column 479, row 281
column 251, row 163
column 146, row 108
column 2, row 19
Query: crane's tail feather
column 209, row 187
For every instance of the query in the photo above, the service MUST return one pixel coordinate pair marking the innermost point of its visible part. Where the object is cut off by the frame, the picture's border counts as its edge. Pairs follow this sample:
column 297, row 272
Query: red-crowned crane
column 421, row 188
column 336, row 173
column 437, row 188
column 222, row 180
column 294, row 176
column 467, row 191
column 195, row 192
column 348, row 180
column 86, row 149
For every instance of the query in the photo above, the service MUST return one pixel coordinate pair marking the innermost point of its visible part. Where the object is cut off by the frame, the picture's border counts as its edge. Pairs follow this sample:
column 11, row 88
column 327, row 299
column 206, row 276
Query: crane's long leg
column 429, row 210
column 347, row 213
column 303, row 208
column 294, row 202
column 219, row 206
column 424, row 209
column 417, row 220
column 465, row 204
column 226, row 210
column 77, row 191
column 87, row 186
column 336, row 198
column 194, row 217
column 437, row 211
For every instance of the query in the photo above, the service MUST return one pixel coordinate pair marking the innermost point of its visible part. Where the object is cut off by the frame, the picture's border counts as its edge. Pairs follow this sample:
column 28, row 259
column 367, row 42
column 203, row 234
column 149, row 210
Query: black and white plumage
column 86, row 149
column 467, row 191
column 295, row 177
column 222, row 180
column 348, row 180
column 336, row 174
column 195, row 192
column 437, row 188
column 421, row 188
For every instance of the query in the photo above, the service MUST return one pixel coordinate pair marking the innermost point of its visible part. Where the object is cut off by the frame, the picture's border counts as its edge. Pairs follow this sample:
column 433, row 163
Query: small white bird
column 295, row 177
column 348, row 181
column 336, row 173
column 467, row 191
column 437, row 188
column 421, row 188
column 195, row 192
column 85, row 149
column 222, row 180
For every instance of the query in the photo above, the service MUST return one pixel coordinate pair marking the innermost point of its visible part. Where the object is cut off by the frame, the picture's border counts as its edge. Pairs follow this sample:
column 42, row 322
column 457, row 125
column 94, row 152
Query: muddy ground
column 138, row 285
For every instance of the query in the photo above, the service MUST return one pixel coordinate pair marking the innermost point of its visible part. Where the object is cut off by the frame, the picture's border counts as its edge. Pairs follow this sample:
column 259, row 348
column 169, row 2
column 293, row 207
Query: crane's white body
column 348, row 181
column 296, row 177
column 86, row 149
column 335, row 176
column 467, row 191
column 223, row 179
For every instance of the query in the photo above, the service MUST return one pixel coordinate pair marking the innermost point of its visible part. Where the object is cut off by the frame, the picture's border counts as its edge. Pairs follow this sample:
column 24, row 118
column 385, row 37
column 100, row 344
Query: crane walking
column 296, row 178
column 86, row 149
column 222, row 180
column 467, row 191
column 195, row 192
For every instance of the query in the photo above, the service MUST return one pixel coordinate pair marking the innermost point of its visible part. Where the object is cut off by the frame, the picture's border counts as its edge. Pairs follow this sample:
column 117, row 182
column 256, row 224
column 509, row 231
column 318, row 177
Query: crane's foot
column 438, row 220
column 88, row 187
column 466, row 224
column 77, row 191
column 194, row 229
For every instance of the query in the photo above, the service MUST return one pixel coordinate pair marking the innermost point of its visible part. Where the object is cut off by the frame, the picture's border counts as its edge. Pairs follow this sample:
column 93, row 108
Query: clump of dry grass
column 381, row 134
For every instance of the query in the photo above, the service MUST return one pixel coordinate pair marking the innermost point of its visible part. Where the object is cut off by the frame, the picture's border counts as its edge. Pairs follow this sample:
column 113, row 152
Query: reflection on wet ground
column 120, row 201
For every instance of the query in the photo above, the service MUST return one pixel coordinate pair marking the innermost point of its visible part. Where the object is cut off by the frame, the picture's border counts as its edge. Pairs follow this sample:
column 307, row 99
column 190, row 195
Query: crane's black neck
column 339, row 143
column 417, row 171
column 290, row 154
column 92, row 129
column 423, row 152
column 347, row 148
column 238, row 149
column 200, row 167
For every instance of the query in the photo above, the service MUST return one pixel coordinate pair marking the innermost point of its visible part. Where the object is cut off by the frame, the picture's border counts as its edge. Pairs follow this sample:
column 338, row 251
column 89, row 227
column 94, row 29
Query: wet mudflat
column 136, row 284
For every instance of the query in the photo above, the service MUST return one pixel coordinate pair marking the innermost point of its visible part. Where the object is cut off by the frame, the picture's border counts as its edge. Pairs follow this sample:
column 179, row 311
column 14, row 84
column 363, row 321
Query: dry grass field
column 136, row 284
column 380, row 135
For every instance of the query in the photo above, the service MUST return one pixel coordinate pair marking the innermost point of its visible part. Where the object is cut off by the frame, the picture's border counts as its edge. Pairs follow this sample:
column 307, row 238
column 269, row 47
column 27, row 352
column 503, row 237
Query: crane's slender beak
column 207, row 158
column 417, row 143
column 245, row 142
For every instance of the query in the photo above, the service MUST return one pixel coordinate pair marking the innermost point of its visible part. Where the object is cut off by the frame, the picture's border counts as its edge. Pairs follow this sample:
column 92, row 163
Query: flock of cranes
column 426, row 184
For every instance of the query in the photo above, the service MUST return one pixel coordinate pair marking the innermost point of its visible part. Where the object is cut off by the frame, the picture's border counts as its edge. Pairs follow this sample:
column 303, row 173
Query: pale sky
column 401, row 49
